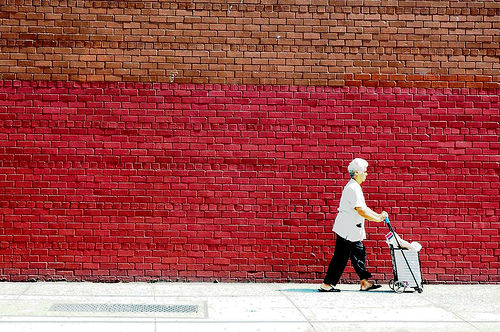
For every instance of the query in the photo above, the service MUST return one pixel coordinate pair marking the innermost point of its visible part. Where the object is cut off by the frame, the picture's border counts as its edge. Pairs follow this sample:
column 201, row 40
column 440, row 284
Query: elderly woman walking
column 350, row 229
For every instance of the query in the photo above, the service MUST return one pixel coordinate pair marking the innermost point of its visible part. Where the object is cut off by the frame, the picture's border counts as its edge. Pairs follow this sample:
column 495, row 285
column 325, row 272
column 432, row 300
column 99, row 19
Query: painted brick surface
column 131, row 181
column 201, row 140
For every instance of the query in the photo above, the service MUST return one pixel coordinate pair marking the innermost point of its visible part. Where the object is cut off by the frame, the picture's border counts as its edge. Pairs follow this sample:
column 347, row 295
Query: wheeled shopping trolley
column 406, row 267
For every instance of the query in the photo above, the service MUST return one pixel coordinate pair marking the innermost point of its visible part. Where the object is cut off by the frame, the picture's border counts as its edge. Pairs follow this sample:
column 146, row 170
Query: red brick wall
column 157, row 181
column 183, row 140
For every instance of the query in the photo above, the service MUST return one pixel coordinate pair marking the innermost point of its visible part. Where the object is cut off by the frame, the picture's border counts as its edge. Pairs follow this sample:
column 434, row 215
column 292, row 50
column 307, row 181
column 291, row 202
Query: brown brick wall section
column 286, row 42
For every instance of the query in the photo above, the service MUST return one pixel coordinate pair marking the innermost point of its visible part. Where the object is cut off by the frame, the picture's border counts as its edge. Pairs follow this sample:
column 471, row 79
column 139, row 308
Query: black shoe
column 373, row 286
column 331, row 290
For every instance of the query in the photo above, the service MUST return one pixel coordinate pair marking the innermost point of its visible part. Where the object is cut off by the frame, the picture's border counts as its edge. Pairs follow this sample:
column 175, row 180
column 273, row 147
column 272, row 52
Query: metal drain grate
column 102, row 307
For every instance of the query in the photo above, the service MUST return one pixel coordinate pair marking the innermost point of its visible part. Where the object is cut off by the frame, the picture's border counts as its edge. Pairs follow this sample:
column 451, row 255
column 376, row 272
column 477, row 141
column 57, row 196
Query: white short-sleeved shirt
column 349, row 224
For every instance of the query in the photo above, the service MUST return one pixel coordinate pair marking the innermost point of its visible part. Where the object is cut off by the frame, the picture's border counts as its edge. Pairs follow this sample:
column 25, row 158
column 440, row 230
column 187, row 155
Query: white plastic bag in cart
column 391, row 239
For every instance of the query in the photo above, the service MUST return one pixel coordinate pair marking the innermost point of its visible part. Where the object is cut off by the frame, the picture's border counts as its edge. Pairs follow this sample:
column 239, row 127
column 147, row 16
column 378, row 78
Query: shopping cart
column 406, row 267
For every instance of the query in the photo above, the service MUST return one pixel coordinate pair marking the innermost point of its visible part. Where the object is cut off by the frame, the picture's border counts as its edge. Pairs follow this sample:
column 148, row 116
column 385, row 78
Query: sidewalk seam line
column 453, row 313
column 301, row 312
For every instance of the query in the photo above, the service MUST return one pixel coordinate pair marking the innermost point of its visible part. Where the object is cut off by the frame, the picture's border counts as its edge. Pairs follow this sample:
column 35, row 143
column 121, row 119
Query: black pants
column 344, row 250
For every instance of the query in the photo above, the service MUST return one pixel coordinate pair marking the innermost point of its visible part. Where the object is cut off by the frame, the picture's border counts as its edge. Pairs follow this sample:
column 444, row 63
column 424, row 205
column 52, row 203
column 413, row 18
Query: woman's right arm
column 369, row 214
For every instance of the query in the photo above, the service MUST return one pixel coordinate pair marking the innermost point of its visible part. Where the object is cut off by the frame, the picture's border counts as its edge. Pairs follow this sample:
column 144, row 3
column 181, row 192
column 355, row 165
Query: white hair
column 357, row 164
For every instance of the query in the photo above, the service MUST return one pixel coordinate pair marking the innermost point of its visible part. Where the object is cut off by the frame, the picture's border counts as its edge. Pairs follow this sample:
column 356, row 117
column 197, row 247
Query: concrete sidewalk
column 148, row 307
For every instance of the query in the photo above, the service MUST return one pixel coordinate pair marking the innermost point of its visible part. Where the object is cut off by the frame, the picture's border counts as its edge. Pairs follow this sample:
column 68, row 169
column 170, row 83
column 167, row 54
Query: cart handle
column 388, row 222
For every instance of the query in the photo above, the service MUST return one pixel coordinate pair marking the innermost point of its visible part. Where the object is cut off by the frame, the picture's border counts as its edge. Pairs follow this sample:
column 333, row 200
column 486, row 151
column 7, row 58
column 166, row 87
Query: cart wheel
column 399, row 287
column 419, row 290
column 391, row 284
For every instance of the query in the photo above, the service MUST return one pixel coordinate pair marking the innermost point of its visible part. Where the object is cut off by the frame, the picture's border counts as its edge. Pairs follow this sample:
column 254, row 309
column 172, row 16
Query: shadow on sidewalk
column 308, row 290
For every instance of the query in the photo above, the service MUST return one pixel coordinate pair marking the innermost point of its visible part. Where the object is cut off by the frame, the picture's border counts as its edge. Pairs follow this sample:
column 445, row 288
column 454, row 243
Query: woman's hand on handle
column 383, row 215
